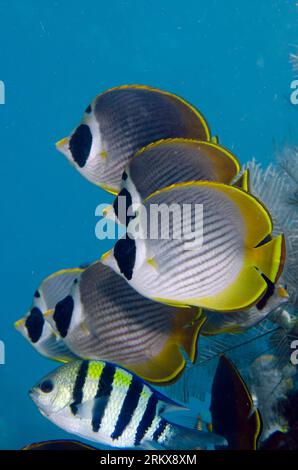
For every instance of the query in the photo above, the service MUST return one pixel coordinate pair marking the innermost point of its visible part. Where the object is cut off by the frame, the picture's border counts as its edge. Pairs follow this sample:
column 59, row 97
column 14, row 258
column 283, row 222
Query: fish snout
column 283, row 293
column 63, row 145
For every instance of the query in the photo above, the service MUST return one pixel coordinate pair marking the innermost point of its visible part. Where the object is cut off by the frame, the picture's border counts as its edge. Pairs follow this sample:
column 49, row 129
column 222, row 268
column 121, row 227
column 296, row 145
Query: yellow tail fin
column 270, row 257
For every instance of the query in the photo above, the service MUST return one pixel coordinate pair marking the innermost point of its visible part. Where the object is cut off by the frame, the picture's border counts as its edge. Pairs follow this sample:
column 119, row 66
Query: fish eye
column 46, row 386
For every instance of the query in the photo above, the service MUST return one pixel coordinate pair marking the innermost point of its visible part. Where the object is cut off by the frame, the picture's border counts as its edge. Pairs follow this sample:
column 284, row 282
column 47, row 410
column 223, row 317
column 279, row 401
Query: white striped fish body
column 224, row 272
column 110, row 309
column 107, row 404
column 173, row 161
column 104, row 318
column 121, row 121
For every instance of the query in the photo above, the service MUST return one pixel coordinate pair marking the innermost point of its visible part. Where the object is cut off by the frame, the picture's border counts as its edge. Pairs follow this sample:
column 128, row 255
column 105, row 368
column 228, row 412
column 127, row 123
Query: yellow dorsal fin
column 243, row 181
column 250, row 207
column 61, row 272
column 215, row 139
column 257, row 220
column 180, row 101
column 224, row 162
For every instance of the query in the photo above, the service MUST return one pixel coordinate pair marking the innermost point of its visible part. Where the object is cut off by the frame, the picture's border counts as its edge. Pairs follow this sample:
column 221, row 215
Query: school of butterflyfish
column 131, row 320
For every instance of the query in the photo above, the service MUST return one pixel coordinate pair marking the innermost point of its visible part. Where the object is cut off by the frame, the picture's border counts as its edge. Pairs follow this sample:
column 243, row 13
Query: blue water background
column 229, row 58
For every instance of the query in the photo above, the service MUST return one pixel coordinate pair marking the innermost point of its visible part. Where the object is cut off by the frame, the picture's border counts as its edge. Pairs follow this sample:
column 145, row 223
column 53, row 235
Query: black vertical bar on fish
column 129, row 406
column 147, row 419
column 78, row 387
column 104, row 390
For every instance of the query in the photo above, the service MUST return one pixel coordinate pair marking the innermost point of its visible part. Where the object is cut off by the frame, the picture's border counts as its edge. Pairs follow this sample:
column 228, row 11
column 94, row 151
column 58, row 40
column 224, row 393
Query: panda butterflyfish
column 216, row 259
column 173, row 161
column 34, row 325
column 121, row 121
column 102, row 317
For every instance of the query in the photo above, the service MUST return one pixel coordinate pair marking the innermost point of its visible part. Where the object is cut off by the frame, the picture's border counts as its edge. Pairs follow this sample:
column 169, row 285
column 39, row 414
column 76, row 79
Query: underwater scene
column 149, row 265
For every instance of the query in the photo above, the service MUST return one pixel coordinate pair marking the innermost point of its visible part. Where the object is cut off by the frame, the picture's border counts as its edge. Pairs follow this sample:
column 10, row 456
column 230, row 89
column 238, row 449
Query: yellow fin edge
column 197, row 113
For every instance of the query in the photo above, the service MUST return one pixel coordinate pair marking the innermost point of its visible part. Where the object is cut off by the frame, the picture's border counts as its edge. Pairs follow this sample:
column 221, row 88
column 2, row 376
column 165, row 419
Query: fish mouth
column 43, row 413
column 35, row 398
column 32, row 394
column 19, row 325
column 60, row 145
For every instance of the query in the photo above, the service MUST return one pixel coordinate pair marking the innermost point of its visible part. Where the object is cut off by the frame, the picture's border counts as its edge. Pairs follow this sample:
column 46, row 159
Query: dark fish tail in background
column 232, row 408
column 59, row 445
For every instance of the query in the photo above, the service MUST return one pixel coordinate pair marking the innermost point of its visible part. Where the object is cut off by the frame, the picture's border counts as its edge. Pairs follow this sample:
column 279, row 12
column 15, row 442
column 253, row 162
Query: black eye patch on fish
column 80, row 144
column 62, row 315
column 34, row 324
column 123, row 218
column 125, row 255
